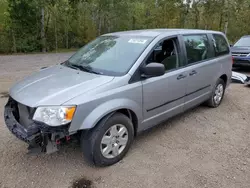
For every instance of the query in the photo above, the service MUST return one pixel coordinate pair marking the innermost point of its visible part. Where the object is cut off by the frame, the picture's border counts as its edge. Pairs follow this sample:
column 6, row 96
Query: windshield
column 109, row 55
column 243, row 42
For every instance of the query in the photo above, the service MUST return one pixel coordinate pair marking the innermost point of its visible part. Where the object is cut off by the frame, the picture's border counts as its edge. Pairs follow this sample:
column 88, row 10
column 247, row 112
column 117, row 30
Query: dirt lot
column 201, row 148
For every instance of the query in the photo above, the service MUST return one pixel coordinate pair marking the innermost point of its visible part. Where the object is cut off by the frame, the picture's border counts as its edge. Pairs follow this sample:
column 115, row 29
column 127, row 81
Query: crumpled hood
column 55, row 86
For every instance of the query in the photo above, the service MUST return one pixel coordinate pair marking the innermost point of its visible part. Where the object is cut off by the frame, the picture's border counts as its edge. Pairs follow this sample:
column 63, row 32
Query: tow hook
column 68, row 138
column 58, row 142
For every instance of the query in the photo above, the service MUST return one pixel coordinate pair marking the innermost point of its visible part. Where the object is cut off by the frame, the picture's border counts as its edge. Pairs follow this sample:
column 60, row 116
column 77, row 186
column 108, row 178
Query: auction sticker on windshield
column 137, row 41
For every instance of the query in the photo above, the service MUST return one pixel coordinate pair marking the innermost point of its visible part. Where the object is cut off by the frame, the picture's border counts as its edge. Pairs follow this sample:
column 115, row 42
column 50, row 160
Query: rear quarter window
column 220, row 45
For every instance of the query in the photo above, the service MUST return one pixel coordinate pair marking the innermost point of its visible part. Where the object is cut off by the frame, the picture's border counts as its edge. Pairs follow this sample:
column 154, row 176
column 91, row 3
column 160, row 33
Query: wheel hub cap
column 218, row 93
column 114, row 141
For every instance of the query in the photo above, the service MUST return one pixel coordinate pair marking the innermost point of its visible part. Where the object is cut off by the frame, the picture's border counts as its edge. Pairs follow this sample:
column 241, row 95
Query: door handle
column 181, row 76
column 192, row 73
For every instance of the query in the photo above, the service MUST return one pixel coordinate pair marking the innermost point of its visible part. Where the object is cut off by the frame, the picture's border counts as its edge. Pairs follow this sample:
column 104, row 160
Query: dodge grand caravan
column 117, row 86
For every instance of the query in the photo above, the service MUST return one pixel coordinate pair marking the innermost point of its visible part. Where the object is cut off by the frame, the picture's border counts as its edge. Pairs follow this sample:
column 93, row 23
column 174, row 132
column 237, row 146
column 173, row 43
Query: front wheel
column 217, row 94
column 108, row 143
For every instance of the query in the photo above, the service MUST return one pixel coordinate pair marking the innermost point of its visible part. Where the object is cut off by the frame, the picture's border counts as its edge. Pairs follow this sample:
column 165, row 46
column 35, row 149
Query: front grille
column 14, row 106
column 22, row 113
column 238, row 54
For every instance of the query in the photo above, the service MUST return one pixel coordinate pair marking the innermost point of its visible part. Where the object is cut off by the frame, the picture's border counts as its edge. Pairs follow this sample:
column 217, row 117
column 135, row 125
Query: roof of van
column 157, row 32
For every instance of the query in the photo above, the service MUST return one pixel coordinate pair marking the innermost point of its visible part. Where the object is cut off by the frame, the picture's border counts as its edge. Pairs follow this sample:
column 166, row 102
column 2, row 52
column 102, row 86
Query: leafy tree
column 46, row 25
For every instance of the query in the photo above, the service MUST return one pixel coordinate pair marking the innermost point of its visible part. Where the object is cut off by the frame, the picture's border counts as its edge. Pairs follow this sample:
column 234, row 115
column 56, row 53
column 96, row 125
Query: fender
column 110, row 106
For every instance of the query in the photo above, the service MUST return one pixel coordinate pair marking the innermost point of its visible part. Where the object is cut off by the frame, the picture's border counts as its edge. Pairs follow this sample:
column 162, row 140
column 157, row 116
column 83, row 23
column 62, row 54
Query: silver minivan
column 117, row 86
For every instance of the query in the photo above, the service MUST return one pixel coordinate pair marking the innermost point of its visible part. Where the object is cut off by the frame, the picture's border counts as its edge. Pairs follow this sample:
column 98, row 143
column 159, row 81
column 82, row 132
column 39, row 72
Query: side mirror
column 153, row 70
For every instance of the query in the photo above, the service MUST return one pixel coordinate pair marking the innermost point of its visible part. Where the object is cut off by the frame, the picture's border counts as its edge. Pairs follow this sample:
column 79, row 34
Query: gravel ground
column 201, row 148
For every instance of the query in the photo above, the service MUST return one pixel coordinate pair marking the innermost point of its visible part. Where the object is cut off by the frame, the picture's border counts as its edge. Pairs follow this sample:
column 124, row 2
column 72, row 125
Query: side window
column 197, row 47
column 220, row 45
column 166, row 52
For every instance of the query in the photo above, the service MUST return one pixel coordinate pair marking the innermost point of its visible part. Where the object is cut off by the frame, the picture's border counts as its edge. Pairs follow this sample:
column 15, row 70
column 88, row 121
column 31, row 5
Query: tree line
column 49, row 25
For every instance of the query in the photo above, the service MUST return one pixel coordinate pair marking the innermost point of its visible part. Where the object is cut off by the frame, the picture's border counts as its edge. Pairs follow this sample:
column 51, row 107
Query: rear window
column 220, row 45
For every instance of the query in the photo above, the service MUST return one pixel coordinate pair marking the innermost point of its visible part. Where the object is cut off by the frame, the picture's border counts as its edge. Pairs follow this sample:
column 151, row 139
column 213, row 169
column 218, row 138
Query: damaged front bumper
column 240, row 78
column 40, row 137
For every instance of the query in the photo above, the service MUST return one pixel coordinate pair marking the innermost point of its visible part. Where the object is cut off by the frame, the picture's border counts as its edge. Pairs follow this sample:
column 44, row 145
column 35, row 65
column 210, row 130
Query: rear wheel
column 217, row 94
column 108, row 143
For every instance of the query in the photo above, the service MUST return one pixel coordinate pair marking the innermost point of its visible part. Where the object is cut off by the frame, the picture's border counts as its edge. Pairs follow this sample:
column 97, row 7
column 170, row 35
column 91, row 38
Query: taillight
column 232, row 60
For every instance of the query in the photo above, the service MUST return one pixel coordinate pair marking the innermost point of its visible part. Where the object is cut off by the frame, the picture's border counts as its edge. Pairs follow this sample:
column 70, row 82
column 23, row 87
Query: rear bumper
column 37, row 135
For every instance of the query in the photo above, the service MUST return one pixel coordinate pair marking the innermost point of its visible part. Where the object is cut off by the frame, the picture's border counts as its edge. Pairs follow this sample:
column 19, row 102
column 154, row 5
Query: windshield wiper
column 81, row 67
column 68, row 64
column 87, row 69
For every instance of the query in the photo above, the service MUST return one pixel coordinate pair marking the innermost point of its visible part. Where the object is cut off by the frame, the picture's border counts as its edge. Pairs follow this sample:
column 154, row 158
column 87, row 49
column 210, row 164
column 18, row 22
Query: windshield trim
column 119, row 74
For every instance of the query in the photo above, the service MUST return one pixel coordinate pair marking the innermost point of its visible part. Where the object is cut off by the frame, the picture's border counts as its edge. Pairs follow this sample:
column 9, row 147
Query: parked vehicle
column 241, row 52
column 117, row 86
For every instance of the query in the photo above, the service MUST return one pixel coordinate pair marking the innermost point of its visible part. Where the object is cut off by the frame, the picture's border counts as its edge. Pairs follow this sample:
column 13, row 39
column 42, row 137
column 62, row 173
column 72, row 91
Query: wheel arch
column 224, row 78
column 131, row 115
column 125, row 106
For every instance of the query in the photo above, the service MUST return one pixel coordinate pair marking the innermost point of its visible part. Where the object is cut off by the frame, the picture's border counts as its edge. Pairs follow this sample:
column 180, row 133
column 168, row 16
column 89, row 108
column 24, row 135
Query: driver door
column 163, row 96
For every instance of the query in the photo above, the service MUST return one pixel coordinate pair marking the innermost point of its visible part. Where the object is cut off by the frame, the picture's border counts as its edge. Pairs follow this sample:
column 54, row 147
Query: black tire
column 91, row 141
column 211, row 102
